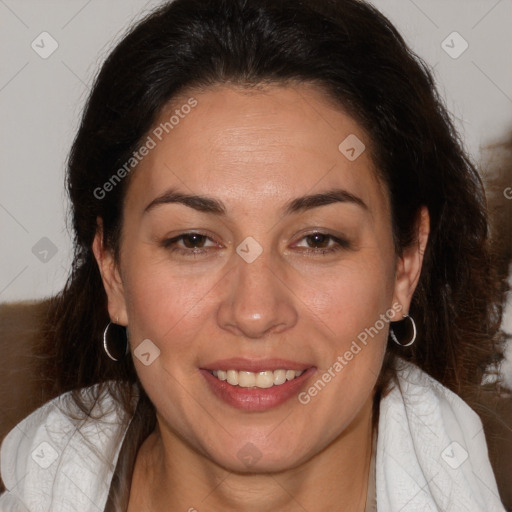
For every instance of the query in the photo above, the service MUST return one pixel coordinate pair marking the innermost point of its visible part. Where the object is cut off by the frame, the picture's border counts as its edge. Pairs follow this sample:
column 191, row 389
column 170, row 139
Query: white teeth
column 290, row 374
column 263, row 380
column 279, row 377
column 232, row 377
column 246, row 379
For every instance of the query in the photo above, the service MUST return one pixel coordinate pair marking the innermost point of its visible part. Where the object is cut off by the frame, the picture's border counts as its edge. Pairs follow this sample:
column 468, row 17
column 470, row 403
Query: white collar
column 431, row 450
column 53, row 462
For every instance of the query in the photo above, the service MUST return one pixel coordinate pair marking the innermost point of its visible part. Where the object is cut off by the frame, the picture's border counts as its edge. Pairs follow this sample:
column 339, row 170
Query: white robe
column 431, row 454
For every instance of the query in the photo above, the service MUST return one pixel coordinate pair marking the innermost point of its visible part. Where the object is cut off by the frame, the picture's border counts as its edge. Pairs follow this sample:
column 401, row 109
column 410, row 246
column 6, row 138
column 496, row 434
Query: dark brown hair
column 356, row 56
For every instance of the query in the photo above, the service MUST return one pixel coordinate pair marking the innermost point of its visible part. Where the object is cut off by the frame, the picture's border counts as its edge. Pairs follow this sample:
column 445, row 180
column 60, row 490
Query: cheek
column 164, row 304
column 349, row 312
column 351, row 297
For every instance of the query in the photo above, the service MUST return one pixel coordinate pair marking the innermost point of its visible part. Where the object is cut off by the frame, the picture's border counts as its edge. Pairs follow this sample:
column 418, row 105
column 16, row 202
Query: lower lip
column 256, row 399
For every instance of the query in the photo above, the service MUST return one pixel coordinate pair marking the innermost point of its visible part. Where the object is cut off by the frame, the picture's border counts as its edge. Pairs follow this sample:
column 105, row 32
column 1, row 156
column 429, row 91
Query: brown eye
column 193, row 240
column 190, row 244
column 322, row 243
column 318, row 240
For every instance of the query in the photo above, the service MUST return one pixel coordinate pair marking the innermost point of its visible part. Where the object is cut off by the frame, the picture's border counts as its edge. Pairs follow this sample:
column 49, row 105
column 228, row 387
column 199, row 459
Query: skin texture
column 255, row 151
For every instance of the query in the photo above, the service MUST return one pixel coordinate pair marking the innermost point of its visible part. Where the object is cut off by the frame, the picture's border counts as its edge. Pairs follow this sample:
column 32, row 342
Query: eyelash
column 170, row 244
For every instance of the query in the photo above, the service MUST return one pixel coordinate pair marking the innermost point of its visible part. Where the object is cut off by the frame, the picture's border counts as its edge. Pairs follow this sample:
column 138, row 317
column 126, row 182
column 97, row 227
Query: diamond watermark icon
column 454, row 45
column 249, row 249
column 45, row 455
column 44, row 45
column 44, row 250
column 351, row 147
column 146, row 352
column 454, row 455
column 249, row 454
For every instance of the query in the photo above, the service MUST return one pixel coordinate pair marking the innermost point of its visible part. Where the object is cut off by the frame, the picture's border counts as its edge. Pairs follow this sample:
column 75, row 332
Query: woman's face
column 290, row 266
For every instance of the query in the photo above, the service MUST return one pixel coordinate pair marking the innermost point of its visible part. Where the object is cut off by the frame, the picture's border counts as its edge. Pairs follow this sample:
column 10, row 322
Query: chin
column 253, row 457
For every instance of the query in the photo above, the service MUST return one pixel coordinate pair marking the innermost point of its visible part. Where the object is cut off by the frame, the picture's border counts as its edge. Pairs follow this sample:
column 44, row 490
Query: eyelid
column 340, row 237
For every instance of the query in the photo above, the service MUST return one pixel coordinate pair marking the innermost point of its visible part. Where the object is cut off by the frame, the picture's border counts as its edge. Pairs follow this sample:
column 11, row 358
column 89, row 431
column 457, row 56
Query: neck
column 170, row 475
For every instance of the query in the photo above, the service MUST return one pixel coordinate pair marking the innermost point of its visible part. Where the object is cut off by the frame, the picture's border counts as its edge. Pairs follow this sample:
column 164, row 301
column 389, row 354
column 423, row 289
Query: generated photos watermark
column 144, row 149
column 355, row 348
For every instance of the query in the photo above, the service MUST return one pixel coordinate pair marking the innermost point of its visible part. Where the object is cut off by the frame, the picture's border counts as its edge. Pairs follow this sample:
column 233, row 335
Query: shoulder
column 60, row 447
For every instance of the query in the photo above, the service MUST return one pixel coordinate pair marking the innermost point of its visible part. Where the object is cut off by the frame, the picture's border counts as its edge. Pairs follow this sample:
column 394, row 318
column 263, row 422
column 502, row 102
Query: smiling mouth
column 262, row 380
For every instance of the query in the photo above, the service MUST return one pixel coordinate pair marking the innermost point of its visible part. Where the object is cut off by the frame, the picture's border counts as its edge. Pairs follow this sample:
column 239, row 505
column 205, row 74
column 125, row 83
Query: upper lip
column 255, row 365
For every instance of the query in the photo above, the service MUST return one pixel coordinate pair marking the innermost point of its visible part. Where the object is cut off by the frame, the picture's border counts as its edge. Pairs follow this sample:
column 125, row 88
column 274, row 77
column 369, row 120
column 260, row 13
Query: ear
column 408, row 265
column 111, row 277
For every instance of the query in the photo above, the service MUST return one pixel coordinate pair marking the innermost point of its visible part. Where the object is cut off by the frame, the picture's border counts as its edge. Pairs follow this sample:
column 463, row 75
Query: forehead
column 265, row 145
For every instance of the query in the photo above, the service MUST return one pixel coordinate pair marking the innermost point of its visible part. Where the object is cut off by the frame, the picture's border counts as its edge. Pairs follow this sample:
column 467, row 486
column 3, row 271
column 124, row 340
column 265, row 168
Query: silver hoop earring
column 394, row 338
column 124, row 342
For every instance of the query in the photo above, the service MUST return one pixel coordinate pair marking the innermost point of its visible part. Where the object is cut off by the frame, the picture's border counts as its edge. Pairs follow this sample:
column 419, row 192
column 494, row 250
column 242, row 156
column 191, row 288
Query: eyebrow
column 213, row 206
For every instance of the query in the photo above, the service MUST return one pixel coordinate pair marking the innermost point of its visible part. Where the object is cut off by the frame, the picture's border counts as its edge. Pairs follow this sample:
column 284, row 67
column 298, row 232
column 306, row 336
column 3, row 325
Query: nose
column 257, row 301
